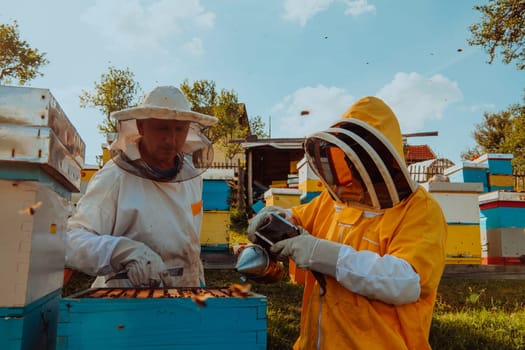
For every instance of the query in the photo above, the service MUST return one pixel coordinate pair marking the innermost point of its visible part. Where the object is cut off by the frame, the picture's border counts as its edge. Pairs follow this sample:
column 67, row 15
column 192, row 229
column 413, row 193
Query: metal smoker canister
column 254, row 263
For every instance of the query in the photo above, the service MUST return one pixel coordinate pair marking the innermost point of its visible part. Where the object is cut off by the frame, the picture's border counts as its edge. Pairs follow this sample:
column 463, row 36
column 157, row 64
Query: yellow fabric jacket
column 414, row 230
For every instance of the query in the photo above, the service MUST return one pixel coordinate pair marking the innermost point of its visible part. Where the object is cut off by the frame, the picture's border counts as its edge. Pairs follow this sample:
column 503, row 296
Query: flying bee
column 200, row 299
column 305, row 112
column 240, row 290
column 31, row 209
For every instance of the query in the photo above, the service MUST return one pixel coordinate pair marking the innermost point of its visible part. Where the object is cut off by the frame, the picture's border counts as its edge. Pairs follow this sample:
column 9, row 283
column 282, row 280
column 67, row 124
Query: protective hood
column 187, row 166
column 360, row 158
column 163, row 102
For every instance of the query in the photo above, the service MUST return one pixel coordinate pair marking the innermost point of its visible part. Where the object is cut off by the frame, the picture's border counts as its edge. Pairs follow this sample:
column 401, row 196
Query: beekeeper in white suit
column 139, row 222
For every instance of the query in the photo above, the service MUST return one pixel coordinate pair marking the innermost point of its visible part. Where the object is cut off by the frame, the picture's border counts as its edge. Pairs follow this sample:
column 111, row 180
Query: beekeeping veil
column 364, row 146
column 164, row 102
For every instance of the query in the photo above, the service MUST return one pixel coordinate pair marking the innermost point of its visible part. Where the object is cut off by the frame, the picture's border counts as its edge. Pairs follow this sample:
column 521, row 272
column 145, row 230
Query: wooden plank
column 499, row 272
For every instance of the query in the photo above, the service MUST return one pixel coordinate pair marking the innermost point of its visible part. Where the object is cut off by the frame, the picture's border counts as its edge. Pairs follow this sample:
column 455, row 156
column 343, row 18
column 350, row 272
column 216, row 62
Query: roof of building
column 418, row 152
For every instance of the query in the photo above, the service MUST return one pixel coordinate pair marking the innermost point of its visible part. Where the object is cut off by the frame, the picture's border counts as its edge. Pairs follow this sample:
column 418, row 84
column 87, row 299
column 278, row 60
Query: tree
column 18, row 61
column 502, row 27
column 502, row 132
column 257, row 127
column 515, row 138
column 204, row 98
column 116, row 90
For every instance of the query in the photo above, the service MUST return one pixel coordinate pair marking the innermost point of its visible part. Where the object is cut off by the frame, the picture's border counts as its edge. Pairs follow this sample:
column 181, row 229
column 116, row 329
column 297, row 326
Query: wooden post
column 250, row 179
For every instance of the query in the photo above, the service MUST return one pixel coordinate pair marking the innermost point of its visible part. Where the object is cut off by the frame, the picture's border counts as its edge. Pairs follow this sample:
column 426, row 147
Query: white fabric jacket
column 167, row 217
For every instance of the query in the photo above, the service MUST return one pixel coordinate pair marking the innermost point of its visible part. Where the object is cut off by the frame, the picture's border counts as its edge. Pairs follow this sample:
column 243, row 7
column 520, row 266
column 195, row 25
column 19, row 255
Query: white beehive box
column 35, row 135
column 32, row 249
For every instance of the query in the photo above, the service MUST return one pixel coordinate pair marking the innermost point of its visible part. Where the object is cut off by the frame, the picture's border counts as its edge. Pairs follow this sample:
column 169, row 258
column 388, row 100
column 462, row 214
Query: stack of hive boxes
column 215, row 231
column 459, row 202
column 499, row 167
column 503, row 228
column 309, row 183
column 468, row 172
column 41, row 155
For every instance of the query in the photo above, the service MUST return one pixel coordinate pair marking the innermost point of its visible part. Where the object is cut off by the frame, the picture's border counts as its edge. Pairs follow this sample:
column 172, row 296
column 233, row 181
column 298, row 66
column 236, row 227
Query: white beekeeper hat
column 163, row 102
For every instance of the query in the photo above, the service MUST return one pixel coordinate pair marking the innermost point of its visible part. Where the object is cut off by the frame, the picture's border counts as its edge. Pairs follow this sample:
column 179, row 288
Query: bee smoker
column 256, row 262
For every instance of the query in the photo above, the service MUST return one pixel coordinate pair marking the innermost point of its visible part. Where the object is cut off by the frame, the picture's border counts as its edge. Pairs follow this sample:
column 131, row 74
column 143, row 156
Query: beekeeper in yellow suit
column 138, row 224
column 376, row 237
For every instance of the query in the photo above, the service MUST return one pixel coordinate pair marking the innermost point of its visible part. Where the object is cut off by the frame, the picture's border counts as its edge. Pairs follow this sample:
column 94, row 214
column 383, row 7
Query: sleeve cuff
column 325, row 256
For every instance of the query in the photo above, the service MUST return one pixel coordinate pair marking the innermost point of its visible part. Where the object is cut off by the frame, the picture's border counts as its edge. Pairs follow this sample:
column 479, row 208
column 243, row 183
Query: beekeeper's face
column 161, row 141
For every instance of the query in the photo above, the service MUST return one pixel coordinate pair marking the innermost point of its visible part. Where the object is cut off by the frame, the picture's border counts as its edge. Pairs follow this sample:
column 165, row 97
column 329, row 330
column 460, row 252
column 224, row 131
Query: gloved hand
column 309, row 252
column 144, row 266
column 262, row 217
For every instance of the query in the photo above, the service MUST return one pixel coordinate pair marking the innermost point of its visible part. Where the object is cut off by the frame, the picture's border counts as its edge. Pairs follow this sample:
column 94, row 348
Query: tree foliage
column 514, row 141
column 204, row 98
column 502, row 132
column 257, row 127
column 116, row 90
column 18, row 61
column 502, row 27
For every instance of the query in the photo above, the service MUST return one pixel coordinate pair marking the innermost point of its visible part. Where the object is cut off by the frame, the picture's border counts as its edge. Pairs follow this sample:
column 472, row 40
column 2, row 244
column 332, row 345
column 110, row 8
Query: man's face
column 161, row 141
column 352, row 192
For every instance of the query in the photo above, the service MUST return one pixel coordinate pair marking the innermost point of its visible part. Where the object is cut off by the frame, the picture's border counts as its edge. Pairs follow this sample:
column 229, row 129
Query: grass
column 469, row 314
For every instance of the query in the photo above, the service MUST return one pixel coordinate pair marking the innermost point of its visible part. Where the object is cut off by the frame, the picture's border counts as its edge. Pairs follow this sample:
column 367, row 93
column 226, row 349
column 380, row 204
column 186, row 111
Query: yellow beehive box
column 463, row 244
column 501, row 182
column 308, row 180
column 283, row 197
column 215, row 228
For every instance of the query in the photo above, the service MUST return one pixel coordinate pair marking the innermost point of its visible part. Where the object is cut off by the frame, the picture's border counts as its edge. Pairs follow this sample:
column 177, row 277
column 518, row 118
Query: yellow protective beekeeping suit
column 413, row 230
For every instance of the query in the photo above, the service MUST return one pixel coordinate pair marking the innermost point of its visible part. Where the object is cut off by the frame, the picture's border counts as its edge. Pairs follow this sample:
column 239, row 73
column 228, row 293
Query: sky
column 280, row 58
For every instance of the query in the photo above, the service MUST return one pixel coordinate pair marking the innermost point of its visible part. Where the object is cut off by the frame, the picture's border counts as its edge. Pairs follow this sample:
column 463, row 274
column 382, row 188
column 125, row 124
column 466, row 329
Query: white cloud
column 139, row 24
column 358, row 7
column 416, row 99
column 324, row 104
column 481, row 107
column 302, row 11
column 194, row 47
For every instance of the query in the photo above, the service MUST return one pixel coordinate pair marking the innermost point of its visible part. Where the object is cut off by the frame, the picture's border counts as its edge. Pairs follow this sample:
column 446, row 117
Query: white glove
column 261, row 218
column 309, row 252
column 144, row 266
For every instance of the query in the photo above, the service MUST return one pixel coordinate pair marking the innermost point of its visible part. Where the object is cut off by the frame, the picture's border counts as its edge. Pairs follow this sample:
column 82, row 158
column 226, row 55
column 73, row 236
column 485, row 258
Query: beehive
column 468, row 172
column 178, row 318
column 41, row 155
column 282, row 197
column 215, row 231
column 503, row 228
column 309, row 183
column 39, row 143
column 459, row 202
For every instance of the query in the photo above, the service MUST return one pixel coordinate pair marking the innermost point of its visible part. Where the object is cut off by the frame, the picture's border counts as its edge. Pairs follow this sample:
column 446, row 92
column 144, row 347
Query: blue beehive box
column 308, row 196
column 216, row 189
column 216, row 195
column 468, row 172
column 32, row 326
column 110, row 318
column 497, row 163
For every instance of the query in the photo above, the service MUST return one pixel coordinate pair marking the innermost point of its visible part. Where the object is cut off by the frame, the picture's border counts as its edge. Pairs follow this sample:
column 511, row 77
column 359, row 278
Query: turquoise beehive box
column 109, row 318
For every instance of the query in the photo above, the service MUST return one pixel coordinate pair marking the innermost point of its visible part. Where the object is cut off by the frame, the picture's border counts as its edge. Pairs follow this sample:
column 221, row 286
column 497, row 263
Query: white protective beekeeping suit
column 134, row 224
